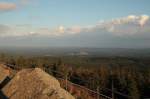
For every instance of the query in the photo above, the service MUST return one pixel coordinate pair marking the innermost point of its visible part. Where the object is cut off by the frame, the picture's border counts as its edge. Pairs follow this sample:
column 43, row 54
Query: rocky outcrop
column 34, row 84
column 4, row 75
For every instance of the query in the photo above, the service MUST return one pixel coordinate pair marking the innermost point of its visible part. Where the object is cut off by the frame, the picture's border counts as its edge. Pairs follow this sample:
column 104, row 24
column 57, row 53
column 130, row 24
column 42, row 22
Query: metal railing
column 90, row 90
column 67, row 81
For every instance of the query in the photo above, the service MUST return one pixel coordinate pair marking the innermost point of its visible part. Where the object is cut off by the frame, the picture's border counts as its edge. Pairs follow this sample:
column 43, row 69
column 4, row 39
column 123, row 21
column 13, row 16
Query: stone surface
column 4, row 73
column 34, row 84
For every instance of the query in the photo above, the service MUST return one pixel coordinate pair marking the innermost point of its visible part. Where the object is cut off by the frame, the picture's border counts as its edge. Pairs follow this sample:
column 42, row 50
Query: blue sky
column 64, row 17
column 72, row 12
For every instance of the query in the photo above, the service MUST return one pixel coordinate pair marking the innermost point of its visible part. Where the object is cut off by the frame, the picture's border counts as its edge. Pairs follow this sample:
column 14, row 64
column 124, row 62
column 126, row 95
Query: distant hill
column 76, row 51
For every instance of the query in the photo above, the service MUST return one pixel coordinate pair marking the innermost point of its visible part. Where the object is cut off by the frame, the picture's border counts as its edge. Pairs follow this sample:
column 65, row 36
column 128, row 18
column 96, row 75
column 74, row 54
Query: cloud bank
column 131, row 25
column 128, row 26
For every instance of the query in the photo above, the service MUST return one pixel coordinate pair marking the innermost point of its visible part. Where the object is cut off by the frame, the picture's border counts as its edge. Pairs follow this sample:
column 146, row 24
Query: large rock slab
column 34, row 84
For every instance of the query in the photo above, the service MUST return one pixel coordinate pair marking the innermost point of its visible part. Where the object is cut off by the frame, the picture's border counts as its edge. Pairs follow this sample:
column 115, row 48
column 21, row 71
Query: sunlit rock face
column 34, row 84
column 4, row 75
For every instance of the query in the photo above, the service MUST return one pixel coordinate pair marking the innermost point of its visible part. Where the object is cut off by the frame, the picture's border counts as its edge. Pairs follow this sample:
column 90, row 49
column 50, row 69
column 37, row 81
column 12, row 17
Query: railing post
column 112, row 84
column 66, row 82
column 98, row 92
column 112, row 89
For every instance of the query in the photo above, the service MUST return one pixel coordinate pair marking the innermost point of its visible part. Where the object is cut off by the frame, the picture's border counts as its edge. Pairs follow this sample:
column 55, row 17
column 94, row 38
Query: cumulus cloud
column 144, row 19
column 127, row 26
column 7, row 6
column 131, row 25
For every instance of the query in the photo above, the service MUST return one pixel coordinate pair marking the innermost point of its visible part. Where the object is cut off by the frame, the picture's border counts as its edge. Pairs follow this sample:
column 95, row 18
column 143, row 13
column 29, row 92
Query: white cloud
column 130, row 25
column 61, row 29
column 144, row 19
